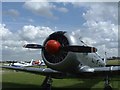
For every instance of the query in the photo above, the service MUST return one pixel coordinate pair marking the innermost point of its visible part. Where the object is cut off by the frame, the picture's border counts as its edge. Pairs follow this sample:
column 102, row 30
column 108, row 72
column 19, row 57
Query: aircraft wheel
column 108, row 88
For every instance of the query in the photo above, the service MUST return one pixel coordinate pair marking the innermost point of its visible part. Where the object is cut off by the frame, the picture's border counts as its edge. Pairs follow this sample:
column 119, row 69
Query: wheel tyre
column 108, row 88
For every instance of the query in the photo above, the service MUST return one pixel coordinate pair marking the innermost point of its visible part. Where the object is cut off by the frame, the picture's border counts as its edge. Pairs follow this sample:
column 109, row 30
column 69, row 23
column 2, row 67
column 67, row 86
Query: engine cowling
column 63, row 60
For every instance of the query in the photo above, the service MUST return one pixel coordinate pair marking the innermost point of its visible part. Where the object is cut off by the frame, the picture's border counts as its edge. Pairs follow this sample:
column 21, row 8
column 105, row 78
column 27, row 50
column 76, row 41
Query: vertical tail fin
column 105, row 55
column 39, row 62
column 105, row 59
column 31, row 62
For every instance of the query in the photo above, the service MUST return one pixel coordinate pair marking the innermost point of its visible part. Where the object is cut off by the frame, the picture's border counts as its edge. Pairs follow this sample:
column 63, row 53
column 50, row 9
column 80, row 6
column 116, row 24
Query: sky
column 31, row 22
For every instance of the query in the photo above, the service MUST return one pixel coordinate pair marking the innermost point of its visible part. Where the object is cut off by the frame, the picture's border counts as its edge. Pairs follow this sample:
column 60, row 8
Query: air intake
column 60, row 56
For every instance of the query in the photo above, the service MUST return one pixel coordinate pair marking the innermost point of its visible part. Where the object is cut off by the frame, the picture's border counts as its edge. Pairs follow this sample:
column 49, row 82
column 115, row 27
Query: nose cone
column 52, row 46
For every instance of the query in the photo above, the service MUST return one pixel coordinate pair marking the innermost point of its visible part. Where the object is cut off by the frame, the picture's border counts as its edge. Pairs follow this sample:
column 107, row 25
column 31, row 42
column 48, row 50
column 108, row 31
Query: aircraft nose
column 52, row 46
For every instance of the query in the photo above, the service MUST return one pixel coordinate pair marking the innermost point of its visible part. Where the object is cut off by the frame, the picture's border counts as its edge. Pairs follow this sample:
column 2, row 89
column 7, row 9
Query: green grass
column 11, row 79
column 113, row 62
column 20, row 80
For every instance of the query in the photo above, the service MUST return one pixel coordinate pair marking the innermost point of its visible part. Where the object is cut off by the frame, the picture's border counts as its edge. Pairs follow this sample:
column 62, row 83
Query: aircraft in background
column 26, row 64
column 22, row 64
column 38, row 63
column 67, row 57
column 42, row 63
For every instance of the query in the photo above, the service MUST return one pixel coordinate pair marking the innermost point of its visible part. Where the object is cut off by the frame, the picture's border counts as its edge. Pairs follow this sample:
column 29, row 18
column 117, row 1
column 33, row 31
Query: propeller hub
column 52, row 46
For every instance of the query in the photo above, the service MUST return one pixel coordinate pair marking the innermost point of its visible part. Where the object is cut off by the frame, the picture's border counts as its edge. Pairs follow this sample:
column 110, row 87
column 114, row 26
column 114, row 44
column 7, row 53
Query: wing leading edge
column 41, row 71
column 83, row 72
column 101, row 71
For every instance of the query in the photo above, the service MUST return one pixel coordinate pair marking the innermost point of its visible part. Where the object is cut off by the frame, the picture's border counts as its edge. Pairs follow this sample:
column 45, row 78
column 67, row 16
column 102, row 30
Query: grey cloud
column 44, row 9
column 12, row 12
column 62, row 9
column 40, row 8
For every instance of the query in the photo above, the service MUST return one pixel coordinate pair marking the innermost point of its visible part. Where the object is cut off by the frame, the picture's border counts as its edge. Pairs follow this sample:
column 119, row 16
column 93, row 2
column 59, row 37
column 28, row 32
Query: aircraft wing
column 41, row 71
column 101, row 71
column 83, row 72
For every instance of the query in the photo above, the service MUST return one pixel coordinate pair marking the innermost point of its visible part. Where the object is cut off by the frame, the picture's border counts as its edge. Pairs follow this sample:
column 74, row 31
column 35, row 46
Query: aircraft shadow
column 86, row 84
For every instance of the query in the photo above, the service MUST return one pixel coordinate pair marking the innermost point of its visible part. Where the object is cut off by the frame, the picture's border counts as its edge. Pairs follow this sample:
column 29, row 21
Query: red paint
column 37, row 62
column 52, row 46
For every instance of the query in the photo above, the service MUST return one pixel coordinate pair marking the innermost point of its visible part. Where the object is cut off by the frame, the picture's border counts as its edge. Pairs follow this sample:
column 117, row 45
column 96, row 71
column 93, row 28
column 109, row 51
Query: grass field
column 113, row 62
column 12, row 79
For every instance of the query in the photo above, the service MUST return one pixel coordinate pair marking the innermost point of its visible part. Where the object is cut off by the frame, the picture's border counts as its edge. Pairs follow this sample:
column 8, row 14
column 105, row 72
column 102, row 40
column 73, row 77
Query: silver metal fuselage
column 76, row 60
column 86, row 59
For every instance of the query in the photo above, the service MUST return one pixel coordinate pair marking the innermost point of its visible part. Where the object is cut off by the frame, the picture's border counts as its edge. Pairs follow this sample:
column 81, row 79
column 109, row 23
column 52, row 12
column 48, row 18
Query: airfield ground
column 12, row 79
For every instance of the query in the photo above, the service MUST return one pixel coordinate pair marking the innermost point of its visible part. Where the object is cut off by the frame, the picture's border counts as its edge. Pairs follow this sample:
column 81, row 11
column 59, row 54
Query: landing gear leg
column 107, row 83
column 47, row 83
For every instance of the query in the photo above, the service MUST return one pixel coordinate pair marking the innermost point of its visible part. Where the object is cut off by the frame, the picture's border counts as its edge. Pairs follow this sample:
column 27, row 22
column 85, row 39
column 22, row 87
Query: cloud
column 62, row 9
column 99, row 30
column 9, row 39
column 40, row 8
column 30, row 20
column 5, row 33
column 101, row 26
column 12, row 42
column 98, row 11
column 34, row 33
column 45, row 9
column 12, row 12
column 104, row 12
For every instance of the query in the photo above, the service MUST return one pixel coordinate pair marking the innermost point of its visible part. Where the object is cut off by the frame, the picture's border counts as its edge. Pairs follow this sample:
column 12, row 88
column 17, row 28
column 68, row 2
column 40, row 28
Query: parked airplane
column 67, row 57
column 25, row 64
column 38, row 63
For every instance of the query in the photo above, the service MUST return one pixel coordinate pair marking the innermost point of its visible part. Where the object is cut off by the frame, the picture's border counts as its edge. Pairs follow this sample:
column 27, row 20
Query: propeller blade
column 79, row 49
column 33, row 46
column 73, row 48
